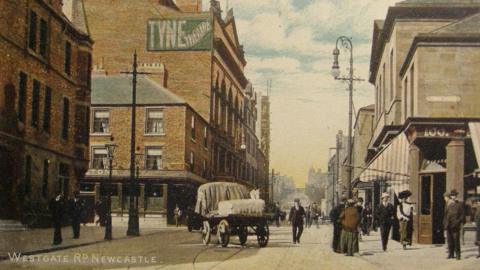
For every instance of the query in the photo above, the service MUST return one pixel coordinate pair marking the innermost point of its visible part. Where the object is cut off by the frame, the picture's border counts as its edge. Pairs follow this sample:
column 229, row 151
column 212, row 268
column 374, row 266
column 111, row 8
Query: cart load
column 248, row 207
column 227, row 209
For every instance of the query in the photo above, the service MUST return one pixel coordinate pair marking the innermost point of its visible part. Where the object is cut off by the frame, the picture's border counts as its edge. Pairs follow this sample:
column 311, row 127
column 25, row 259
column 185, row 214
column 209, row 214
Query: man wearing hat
column 452, row 223
column 297, row 213
column 385, row 217
column 337, row 224
column 405, row 216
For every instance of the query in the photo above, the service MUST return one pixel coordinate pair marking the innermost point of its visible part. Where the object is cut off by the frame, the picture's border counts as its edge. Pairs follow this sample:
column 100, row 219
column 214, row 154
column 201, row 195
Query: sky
column 291, row 43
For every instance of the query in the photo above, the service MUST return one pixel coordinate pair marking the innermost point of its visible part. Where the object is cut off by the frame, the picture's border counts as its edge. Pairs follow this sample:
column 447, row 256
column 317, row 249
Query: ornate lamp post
column 110, row 146
column 347, row 44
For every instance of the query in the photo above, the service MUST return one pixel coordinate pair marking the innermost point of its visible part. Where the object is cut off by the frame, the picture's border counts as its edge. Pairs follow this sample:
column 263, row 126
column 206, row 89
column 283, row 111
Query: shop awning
column 390, row 165
column 475, row 135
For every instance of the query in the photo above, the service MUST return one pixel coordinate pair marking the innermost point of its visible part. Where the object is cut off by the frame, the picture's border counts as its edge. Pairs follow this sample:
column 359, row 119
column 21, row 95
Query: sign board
column 179, row 34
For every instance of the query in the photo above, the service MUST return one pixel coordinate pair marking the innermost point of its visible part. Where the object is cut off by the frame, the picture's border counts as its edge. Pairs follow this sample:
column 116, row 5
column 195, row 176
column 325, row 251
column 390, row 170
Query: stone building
column 173, row 145
column 424, row 67
column 44, row 104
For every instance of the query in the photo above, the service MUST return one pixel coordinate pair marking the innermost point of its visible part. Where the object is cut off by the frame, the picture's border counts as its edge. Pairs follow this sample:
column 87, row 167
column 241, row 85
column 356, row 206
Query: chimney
column 189, row 5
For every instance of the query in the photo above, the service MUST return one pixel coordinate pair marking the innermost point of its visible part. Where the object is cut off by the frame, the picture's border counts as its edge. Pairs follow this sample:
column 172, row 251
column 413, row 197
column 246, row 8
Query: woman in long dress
column 350, row 220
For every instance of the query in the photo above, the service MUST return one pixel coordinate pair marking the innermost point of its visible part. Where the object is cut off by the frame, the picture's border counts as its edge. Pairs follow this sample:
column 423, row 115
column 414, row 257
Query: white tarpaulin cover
column 209, row 195
column 250, row 207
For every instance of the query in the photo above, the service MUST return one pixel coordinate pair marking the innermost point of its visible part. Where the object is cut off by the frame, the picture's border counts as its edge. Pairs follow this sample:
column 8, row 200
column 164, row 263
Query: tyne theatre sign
column 179, row 34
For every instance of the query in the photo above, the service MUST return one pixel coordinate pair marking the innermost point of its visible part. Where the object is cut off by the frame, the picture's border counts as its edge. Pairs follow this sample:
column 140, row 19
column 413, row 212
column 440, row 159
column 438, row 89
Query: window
column 32, row 31
column 391, row 77
column 101, row 121
column 68, row 57
column 99, row 158
column 35, row 103
column 66, row 115
column 47, row 107
column 22, row 93
column 155, row 124
column 63, row 179
column 193, row 127
column 154, row 158
column 45, row 178
column 28, row 175
column 205, row 137
column 192, row 161
column 43, row 37
column 412, row 90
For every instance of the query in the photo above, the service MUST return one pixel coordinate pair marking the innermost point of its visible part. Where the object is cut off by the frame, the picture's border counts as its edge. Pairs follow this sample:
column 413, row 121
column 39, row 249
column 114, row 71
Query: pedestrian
column 100, row 209
column 405, row 216
column 359, row 206
column 337, row 224
column 276, row 214
column 308, row 216
column 56, row 207
column 452, row 222
column 295, row 218
column 315, row 214
column 477, row 223
column 350, row 219
column 75, row 207
column 367, row 219
column 177, row 214
column 385, row 216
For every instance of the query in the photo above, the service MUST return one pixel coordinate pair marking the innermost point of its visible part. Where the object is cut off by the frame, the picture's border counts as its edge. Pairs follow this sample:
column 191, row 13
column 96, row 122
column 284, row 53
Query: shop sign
column 436, row 132
column 179, row 34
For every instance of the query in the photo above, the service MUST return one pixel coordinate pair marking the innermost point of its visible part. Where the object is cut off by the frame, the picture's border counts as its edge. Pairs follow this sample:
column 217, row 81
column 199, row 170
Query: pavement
column 174, row 248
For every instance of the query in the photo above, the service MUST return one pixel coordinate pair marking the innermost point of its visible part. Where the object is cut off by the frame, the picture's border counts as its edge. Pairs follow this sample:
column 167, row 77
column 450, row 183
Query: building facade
column 426, row 121
column 44, row 103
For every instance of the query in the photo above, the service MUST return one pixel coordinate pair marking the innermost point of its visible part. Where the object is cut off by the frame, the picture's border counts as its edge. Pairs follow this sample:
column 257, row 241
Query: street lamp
column 110, row 146
column 347, row 44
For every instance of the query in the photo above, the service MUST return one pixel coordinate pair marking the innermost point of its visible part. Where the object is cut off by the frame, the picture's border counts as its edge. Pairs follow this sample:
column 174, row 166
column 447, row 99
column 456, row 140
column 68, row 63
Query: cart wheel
column 223, row 233
column 243, row 234
column 263, row 234
column 206, row 232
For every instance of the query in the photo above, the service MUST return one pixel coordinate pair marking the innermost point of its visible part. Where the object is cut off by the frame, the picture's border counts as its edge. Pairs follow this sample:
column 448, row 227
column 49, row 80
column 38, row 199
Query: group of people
column 74, row 207
column 350, row 220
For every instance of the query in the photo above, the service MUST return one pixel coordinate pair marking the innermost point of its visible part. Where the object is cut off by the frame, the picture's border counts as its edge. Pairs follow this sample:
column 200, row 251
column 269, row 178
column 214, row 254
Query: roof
column 74, row 10
column 436, row 3
column 469, row 25
column 117, row 90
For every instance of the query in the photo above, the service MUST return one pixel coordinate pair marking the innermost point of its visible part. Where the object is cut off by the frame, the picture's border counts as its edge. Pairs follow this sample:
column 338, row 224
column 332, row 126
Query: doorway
column 7, row 208
column 432, row 207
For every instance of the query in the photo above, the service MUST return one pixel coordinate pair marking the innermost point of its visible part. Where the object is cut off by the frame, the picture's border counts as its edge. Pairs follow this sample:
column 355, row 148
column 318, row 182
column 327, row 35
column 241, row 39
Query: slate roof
column 117, row 90
column 467, row 26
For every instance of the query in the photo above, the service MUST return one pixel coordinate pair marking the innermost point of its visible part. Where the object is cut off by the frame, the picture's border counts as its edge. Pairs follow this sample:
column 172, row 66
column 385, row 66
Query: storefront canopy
column 390, row 165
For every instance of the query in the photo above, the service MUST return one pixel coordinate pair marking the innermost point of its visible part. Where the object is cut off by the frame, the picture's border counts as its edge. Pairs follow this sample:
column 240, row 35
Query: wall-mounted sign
column 436, row 132
column 179, row 34
column 444, row 98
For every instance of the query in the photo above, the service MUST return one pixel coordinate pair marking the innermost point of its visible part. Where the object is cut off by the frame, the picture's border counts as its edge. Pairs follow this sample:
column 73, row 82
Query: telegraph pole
column 133, row 222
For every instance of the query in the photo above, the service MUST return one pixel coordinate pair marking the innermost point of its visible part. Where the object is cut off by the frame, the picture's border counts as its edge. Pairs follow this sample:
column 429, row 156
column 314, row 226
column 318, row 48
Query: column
column 413, row 171
column 456, row 163
column 141, row 203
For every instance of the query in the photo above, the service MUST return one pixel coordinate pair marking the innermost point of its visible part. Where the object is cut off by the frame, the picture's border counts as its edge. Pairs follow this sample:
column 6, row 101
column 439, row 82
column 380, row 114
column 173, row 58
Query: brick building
column 202, row 64
column 172, row 145
column 44, row 103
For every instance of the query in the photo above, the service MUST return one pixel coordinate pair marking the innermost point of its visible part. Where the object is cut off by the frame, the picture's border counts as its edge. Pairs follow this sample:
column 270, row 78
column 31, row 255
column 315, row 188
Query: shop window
column 155, row 123
column 154, row 158
column 426, row 195
column 152, row 190
column 101, row 121
column 87, row 187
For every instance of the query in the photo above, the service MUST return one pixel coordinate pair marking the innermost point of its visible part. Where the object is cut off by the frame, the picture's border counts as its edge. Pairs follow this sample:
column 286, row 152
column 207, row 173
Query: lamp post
column 347, row 44
column 110, row 146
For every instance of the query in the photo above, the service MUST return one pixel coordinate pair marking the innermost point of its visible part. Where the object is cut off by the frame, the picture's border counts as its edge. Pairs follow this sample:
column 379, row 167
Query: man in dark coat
column 385, row 214
column 56, row 207
column 337, row 224
column 452, row 222
column 75, row 210
column 296, row 216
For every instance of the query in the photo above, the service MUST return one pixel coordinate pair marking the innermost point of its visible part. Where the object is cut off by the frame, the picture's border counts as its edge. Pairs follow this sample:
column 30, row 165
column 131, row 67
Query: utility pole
column 133, row 222
column 273, row 186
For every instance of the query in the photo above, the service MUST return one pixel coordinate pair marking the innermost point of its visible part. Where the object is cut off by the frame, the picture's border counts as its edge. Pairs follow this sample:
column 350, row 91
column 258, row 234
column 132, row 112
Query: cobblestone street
column 178, row 249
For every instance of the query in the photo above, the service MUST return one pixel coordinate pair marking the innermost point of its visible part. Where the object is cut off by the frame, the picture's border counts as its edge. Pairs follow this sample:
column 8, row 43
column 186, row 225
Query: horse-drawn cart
column 227, row 210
